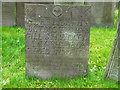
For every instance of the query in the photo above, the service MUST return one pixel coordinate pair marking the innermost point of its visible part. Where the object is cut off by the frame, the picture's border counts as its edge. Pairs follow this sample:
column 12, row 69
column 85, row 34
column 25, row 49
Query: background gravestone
column 117, row 21
column 57, row 40
column 103, row 13
column 20, row 12
column 73, row 2
column 8, row 13
column 0, row 13
column 113, row 65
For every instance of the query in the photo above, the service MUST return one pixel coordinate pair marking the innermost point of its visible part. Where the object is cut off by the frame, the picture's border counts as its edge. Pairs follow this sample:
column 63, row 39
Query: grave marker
column 102, row 13
column 20, row 12
column 57, row 40
column 113, row 65
column 0, row 13
column 8, row 13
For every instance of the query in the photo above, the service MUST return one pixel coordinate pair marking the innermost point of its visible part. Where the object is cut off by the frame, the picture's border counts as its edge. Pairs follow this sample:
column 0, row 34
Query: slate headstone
column 103, row 13
column 8, row 13
column 20, row 14
column 56, row 40
column 0, row 13
column 119, row 50
column 117, row 21
column 113, row 65
column 116, row 5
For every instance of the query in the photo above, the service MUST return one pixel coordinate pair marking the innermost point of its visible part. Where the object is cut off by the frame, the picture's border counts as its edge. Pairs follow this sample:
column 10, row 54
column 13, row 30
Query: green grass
column 13, row 62
column 116, row 14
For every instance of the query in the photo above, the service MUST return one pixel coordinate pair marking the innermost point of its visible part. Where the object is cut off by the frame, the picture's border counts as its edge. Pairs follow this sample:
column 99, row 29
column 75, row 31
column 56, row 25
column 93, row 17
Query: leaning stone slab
column 8, row 13
column 102, row 13
column 113, row 65
column 119, row 51
column 56, row 40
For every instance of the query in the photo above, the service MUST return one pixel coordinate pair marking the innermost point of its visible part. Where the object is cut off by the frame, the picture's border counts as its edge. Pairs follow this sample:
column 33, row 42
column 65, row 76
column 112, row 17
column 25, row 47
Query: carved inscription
column 55, row 43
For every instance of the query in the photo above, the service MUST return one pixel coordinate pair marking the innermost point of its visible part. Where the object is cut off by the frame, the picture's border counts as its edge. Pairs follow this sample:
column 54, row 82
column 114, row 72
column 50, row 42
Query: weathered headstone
column 8, row 13
column 57, row 40
column 20, row 12
column 0, row 13
column 113, row 65
column 117, row 21
column 102, row 13
column 116, row 5
column 119, row 50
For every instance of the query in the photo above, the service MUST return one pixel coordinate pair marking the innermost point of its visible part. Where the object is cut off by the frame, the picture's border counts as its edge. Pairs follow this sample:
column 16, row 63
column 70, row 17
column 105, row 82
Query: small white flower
column 94, row 67
column 1, row 69
column 5, row 81
column 18, row 41
column 91, row 70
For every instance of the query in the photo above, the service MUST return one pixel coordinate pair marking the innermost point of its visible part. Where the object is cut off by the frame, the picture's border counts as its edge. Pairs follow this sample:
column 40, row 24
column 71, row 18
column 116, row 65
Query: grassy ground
column 13, row 62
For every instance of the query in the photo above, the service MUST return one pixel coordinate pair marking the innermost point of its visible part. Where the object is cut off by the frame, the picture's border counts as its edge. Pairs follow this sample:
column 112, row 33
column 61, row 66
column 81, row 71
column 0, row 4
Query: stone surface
column 27, row 0
column 72, row 2
column 117, row 21
column 20, row 12
column 0, row 13
column 56, row 40
column 119, row 49
column 8, row 14
column 113, row 65
column 102, row 13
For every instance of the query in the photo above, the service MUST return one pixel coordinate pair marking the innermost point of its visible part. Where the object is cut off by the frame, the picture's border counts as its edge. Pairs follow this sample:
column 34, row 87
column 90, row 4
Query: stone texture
column 117, row 21
column 0, row 13
column 113, row 65
column 72, row 2
column 8, row 14
column 102, row 13
column 20, row 12
column 56, row 40
column 119, row 49
column 27, row 0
